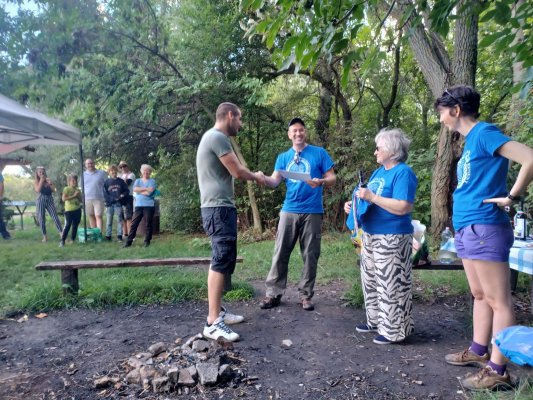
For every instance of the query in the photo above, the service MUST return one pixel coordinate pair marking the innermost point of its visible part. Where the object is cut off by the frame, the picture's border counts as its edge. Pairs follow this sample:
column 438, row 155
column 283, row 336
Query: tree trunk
column 258, row 226
column 441, row 72
column 517, row 104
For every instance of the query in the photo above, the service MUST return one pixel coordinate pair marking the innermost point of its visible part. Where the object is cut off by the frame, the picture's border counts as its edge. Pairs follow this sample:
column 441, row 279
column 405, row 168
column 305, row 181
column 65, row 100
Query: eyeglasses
column 296, row 158
column 451, row 95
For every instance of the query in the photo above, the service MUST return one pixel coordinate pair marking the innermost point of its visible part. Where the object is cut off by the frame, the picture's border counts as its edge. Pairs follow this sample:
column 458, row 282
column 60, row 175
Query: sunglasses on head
column 296, row 158
column 451, row 95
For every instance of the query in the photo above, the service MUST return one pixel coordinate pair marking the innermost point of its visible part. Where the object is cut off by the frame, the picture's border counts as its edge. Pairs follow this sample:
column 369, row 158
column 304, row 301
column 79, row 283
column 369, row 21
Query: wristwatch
column 513, row 198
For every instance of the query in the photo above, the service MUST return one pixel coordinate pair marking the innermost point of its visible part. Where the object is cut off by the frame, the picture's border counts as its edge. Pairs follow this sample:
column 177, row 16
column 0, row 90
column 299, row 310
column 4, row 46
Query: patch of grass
column 26, row 290
column 524, row 391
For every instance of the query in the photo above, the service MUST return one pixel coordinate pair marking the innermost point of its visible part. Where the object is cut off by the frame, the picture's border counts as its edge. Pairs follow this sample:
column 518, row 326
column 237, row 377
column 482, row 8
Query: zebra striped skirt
column 387, row 283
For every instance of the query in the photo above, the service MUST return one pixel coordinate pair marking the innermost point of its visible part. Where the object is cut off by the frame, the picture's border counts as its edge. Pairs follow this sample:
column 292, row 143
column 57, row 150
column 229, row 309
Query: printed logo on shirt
column 302, row 166
column 463, row 169
column 376, row 185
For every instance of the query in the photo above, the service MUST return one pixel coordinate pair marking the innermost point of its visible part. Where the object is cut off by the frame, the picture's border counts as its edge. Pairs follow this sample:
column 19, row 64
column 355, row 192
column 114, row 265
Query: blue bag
column 516, row 343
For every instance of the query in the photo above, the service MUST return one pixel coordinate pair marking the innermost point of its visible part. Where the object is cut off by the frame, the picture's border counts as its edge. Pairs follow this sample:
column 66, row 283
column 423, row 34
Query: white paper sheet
column 298, row 176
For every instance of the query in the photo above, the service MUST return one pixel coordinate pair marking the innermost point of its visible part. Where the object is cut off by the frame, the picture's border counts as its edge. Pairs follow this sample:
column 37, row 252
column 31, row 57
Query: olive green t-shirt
column 214, row 180
column 72, row 204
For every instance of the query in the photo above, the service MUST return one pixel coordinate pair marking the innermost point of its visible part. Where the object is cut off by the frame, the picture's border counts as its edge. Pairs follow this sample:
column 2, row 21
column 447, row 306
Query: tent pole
column 83, row 194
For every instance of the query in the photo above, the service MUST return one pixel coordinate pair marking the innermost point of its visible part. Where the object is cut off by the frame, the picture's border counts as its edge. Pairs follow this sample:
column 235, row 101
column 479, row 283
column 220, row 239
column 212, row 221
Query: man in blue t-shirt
column 305, row 169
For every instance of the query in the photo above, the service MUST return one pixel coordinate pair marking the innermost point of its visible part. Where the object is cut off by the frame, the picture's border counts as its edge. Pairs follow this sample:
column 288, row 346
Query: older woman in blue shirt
column 144, row 190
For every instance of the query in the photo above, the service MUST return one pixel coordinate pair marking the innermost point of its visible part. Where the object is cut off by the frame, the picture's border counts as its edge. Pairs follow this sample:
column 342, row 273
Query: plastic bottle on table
column 520, row 226
column 447, row 252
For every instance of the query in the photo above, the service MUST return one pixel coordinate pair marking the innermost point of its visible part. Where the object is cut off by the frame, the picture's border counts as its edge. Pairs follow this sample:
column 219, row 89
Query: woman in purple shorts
column 484, row 234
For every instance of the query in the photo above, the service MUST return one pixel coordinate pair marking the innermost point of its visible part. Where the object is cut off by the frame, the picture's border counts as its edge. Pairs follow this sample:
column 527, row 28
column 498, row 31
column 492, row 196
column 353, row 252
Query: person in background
column 115, row 191
column 3, row 230
column 300, row 218
column 483, row 233
column 144, row 190
column 387, row 241
column 217, row 166
column 127, row 205
column 93, row 182
column 72, row 198
column 45, row 202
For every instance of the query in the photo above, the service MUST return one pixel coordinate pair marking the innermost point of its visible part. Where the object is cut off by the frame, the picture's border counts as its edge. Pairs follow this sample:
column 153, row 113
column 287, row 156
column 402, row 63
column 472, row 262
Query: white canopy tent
column 21, row 126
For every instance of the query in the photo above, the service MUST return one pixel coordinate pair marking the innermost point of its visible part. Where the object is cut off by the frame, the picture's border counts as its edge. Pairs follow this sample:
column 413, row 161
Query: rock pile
column 163, row 368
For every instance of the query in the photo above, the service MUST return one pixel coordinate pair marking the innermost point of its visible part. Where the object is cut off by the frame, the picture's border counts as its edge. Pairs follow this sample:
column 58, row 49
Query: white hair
column 395, row 142
column 145, row 167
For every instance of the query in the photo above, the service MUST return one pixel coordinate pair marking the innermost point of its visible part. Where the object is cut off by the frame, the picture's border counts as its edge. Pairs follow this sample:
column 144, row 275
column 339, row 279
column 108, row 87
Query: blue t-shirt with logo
column 300, row 197
column 481, row 174
column 398, row 183
column 142, row 200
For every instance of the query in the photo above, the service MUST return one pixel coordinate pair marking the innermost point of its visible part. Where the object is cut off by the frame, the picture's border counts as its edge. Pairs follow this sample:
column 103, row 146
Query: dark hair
column 296, row 121
column 224, row 108
column 465, row 96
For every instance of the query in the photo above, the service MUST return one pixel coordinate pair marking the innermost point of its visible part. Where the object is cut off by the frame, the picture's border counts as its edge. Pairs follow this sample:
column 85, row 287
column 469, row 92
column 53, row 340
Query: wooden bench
column 436, row 265
column 69, row 269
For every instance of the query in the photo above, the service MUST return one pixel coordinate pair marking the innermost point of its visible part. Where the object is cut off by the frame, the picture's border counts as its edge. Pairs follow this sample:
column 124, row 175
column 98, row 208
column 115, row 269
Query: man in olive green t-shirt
column 217, row 166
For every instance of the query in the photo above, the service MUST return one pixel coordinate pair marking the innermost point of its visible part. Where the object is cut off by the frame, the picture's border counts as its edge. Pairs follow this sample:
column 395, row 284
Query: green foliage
column 422, row 162
column 180, row 204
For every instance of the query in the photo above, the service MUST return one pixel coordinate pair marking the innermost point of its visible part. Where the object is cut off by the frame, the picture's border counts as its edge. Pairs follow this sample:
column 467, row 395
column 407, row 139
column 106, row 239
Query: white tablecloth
column 521, row 256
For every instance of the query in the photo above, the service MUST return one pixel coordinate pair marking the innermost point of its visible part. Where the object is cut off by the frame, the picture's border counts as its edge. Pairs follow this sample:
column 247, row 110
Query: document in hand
column 298, row 176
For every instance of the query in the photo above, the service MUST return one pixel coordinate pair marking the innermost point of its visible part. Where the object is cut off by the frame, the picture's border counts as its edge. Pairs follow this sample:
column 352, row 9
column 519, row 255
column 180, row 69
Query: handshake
column 259, row 178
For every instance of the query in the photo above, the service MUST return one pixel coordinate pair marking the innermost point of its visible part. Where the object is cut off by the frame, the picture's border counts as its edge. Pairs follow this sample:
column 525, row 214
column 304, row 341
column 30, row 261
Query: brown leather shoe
column 270, row 302
column 466, row 357
column 308, row 305
column 486, row 378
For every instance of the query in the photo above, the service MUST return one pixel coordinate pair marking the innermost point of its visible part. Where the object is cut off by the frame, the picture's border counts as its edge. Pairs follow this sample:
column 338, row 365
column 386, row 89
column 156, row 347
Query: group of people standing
column 483, row 234
column 116, row 194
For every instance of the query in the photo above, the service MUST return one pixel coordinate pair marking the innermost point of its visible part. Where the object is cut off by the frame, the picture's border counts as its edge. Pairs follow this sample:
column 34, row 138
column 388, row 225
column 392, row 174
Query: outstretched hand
column 260, row 178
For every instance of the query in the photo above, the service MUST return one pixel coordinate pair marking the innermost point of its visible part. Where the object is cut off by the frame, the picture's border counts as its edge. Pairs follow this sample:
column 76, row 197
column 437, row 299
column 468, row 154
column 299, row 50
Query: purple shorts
column 485, row 242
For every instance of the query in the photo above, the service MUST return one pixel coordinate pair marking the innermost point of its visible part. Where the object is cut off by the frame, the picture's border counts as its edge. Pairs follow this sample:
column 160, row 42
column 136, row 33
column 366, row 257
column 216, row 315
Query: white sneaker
column 218, row 329
column 229, row 318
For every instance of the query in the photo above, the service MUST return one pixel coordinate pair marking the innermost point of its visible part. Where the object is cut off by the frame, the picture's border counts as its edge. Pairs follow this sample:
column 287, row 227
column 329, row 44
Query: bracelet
column 513, row 198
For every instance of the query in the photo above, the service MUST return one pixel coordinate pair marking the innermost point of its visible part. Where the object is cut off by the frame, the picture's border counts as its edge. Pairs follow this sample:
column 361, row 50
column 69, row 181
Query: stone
column 173, row 375
column 286, row 343
column 105, row 381
column 144, row 356
column 200, row 345
column 185, row 378
column 225, row 373
column 192, row 370
column 135, row 363
column 189, row 341
column 207, row 372
column 134, row 376
column 146, row 384
column 161, row 384
column 147, row 372
column 157, row 348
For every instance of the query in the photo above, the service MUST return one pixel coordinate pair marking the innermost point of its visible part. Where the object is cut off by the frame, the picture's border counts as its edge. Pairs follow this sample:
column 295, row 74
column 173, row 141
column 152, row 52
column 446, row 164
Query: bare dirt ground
column 58, row 357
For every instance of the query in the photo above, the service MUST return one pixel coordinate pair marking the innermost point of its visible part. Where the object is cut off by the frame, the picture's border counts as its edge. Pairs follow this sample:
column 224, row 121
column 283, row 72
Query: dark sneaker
column 127, row 244
column 486, row 378
column 466, row 357
column 380, row 339
column 218, row 329
column 107, row 238
column 119, row 238
column 307, row 305
column 146, row 244
column 270, row 302
column 365, row 328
